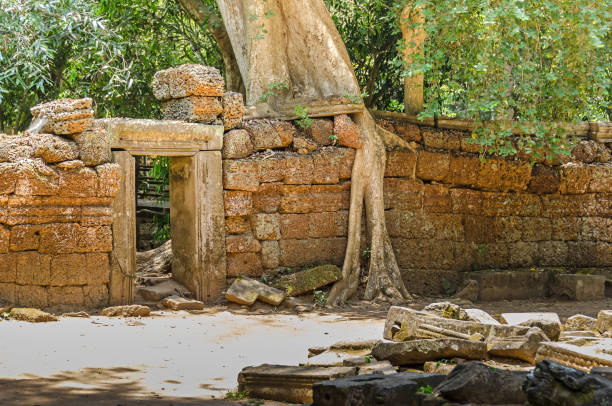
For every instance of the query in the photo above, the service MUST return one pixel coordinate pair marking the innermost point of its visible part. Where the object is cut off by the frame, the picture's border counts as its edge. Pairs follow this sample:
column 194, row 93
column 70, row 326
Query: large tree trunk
column 414, row 38
column 296, row 42
column 203, row 15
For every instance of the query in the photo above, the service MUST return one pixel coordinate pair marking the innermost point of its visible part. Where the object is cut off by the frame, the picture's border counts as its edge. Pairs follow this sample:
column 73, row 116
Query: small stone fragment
column 159, row 291
column 187, row 80
column 304, row 146
column 31, row 315
column 126, row 311
column 83, row 315
column 437, row 367
column 180, row 303
column 194, row 109
column 377, row 367
column 580, row 322
column 604, row 321
column 447, row 310
column 348, row 133
column 233, row 110
column 308, row 280
column 246, row 291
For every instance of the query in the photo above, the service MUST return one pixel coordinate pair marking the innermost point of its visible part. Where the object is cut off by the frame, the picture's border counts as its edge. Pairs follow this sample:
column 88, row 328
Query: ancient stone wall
column 56, row 194
column 287, row 197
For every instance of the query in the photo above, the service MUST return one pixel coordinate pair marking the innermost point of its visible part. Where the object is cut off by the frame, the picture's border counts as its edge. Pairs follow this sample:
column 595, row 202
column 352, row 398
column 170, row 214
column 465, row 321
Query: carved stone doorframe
column 197, row 219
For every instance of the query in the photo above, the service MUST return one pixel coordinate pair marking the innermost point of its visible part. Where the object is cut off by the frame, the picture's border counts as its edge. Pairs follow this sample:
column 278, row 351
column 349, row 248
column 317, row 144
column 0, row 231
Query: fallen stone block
column 421, row 351
column 578, row 286
column 157, row 292
column 479, row 316
column 523, row 347
column 246, row 291
column 406, row 324
column 83, row 315
column 377, row 367
column 344, row 346
column 180, row 303
column 590, row 354
column 604, row 321
column 572, row 335
column 551, row 383
column 187, row 80
column 548, row 322
column 580, row 322
column 126, row 311
column 373, row 389
column 476, row 383
column 308, row 280
column 293, row 384
column 31, row 315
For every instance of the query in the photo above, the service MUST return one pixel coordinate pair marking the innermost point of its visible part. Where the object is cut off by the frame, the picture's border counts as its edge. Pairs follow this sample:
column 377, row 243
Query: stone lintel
column 143, row 136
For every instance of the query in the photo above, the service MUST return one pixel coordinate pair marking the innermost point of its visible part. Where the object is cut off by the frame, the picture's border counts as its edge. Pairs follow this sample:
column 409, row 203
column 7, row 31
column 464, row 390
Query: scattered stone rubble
column 439, row 340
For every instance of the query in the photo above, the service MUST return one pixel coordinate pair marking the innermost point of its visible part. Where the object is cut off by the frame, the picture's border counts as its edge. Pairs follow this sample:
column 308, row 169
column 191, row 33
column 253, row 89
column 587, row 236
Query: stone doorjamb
column 197, row 219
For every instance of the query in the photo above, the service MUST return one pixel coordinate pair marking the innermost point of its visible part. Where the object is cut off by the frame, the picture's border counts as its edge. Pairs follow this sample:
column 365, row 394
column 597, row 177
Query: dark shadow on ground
column 88, row 387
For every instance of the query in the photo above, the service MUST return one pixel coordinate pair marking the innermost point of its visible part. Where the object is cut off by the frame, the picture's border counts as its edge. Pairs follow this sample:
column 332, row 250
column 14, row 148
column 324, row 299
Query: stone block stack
column 195, row 93
column 56, row 195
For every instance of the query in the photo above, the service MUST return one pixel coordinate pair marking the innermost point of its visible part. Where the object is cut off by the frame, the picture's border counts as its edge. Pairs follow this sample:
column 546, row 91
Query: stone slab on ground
column 420, row 351
column 580, row 322
column 604, row 321
column 159, row 291
column 374, row 389
column 480, row 316
column 477, row 383
column 523, row 348
column 293, row 384
column 187, row 80
column 308, row 279
column 181, row 303
column 548, row 322
column 597, row 353
column 579, row 286
column 31, row 315
column 246, row 291
column 126, row 311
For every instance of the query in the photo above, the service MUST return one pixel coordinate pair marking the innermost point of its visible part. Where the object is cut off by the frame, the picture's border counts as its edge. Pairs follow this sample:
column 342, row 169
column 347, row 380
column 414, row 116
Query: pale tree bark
column 296, row 42
column 203, row 15
column 413, row 34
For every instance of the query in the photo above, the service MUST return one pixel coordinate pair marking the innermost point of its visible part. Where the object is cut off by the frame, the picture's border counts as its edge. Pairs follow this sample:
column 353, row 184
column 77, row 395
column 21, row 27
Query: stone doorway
column 196, row 204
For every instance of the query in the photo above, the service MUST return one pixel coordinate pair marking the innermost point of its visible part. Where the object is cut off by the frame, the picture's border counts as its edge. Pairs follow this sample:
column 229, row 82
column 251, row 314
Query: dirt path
column 184, row 359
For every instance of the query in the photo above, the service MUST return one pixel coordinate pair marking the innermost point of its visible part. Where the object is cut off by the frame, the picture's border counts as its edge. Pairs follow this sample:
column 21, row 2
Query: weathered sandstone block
column 401, row 164
column 266, row 226
column 237, row 225
column 580, row 322
column 126, row 311
column 233, row 110
column 270, row 254
column 187, row 80
column 240, row 175
column 433, row 166
column 298, row 170
column 348, row 133
column 263, row 135
column 73, row 238
column 109, row 178
column 304, row 146
column 575, row 178
column 244, row 264
column 604, row 321
column 82, row 182
column 267, row 198
column 579, row 287
column 285, row 130
column 196, row 109
column 420, row 351
column 246, row 291
column 241, row 243
column 65, row 116
column 53, row 149
column 237, row 202
column 441, row 139
column 308, row 280
column 94, row 146
column 237, row 144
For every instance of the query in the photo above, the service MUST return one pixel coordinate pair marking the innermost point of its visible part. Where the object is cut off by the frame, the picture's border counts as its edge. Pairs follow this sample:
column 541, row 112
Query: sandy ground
column 183, row 359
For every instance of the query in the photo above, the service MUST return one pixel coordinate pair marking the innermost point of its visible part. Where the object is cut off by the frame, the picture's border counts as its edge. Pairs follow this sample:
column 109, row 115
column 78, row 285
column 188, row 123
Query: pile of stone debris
column 445, row 355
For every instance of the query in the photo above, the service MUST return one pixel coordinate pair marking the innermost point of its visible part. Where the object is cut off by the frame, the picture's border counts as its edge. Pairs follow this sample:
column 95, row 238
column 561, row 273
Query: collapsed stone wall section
column 56, row 195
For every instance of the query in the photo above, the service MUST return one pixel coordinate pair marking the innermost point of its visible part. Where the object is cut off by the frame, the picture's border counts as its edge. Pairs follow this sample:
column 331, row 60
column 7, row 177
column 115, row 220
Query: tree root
column 384, row 278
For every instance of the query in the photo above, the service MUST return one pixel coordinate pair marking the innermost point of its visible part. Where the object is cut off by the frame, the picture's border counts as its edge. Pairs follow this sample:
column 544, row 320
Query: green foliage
column 236, row 395
column 160, row 171
column 320, row 298
column 425, row 389
column 52, row 49
column 303, row 120
column 273, row 90
column 531, row 61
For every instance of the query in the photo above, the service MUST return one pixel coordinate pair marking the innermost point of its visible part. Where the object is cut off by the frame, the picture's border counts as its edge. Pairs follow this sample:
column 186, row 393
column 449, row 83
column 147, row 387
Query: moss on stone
column 309, row 279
